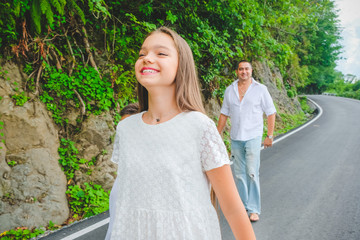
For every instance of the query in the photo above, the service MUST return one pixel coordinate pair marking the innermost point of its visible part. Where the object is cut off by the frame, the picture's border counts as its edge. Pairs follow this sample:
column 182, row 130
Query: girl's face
column 158, row 61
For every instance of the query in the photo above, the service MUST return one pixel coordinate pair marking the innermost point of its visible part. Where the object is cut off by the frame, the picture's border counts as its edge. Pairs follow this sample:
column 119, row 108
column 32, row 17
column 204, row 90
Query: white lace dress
column 161, row 190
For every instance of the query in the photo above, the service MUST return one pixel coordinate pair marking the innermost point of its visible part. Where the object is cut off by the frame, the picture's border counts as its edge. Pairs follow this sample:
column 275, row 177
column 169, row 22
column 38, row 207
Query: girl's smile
column 148, row 71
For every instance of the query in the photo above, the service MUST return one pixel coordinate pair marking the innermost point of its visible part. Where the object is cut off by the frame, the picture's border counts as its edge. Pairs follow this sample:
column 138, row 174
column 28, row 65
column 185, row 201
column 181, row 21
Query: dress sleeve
column 116, row 148
column 213, row 152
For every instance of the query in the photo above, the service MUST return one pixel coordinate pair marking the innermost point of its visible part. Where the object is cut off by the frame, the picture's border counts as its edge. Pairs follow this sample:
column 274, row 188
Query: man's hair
column 188, row 97
column 130, row 109
column 243, row 61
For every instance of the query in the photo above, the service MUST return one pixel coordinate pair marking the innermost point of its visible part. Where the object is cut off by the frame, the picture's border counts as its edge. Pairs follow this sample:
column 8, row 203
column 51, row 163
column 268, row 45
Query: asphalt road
column 310, row 182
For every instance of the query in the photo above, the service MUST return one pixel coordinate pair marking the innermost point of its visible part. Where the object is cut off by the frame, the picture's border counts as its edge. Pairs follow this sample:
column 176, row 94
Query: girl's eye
column 142, row 54
column 162, row 54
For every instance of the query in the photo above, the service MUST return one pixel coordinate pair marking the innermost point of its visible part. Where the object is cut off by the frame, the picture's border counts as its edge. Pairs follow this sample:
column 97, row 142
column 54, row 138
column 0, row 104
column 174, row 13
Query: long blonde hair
column 187, row 91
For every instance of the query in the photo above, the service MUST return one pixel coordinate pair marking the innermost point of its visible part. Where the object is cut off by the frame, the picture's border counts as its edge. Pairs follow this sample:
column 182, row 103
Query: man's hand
column 271, row 124
column 221, row 123
column 268, row 142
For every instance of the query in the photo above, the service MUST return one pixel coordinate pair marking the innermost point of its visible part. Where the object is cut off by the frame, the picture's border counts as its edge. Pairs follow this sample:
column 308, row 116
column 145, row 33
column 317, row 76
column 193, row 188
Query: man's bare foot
column 254, row 217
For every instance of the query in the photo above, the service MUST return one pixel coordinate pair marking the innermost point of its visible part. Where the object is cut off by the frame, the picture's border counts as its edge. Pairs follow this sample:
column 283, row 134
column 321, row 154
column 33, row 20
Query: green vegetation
column 299, row 37
column 12, row 163
column 84, row 89
column 52, row 226
column 68, row 158
column 20, row 99
column 291, row 121
column 348, row 87
column 89, row 199
column 21, row 233
column 304, row 106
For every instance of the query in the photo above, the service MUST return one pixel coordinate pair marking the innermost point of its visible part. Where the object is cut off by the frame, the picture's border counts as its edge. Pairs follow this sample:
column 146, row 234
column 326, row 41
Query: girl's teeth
column 148, row 71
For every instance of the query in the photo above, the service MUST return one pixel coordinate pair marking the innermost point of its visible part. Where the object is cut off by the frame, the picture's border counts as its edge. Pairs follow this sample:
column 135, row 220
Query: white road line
column 302, row 127
column 87, row 229
column 106, row 221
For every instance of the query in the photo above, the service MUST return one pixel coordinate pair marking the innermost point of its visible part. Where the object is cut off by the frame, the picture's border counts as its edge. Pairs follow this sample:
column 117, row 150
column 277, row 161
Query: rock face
column 95, row 142
column 274, row 82
column 32, row 184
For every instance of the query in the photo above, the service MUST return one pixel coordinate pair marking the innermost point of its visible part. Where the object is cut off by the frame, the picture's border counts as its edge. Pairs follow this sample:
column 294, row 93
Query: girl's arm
column 230, row 202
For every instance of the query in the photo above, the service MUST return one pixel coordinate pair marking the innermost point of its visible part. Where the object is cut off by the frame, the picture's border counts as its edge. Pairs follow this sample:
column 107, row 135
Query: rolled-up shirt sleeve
column 225, row 108
column 267, row 103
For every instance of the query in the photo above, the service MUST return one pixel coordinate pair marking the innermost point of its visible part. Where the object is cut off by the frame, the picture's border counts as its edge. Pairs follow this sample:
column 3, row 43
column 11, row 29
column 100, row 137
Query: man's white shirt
column 247, row 116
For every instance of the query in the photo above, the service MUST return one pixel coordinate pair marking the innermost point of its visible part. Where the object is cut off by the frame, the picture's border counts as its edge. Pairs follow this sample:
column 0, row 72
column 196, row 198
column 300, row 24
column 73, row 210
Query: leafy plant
column 227, row 140
column 12, row 163
column 344, row 87
column 21, row 233
column 84, row 87
column 304, row 106
column 89, row 200
column 289, row 121
column 86, row 201
column 52, row 226
column 20, row 98
column 68, row 157
column 291, row 93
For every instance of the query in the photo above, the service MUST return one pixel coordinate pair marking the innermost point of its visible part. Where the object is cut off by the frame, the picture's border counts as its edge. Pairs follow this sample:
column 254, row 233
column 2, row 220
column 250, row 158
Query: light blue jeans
column 245, row 169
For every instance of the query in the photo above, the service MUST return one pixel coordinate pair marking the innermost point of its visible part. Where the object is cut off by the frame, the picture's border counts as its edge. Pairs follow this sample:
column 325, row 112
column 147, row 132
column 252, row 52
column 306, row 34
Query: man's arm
column 271, row 124
column 221, row 123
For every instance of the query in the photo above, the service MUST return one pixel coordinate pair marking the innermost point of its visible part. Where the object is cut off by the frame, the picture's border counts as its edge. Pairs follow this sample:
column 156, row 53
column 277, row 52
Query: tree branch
column 88, row 50
column 30, row 76
column 82, row 55
column 38, row 79
column 71, row 52
column 83, row 107
column 53, row 53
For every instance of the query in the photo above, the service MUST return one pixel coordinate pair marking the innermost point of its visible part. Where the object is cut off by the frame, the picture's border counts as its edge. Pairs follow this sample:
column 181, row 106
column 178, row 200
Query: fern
column 44, row 6
column 46, row 9
column 17, row 9
column 59, row 6
column 72, row 6
column 62, row 2
column 99, row 6
column 36, row 15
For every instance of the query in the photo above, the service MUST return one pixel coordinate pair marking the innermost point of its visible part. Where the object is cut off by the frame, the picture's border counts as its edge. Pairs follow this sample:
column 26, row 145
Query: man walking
column 245, row 102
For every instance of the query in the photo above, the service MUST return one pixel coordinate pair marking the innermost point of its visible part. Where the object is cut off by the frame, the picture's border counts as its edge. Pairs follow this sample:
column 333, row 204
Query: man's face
column 244, row 71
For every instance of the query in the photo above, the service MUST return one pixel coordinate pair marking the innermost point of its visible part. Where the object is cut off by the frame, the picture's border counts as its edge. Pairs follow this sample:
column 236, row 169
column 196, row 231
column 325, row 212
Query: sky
column 350, row 22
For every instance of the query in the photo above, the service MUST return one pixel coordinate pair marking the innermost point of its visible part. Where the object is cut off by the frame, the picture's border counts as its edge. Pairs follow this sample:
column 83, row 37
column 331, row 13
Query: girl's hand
column 230, row 202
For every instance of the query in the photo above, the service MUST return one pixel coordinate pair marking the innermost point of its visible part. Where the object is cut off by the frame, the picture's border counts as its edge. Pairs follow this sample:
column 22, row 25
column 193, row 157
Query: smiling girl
column 168, row 154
